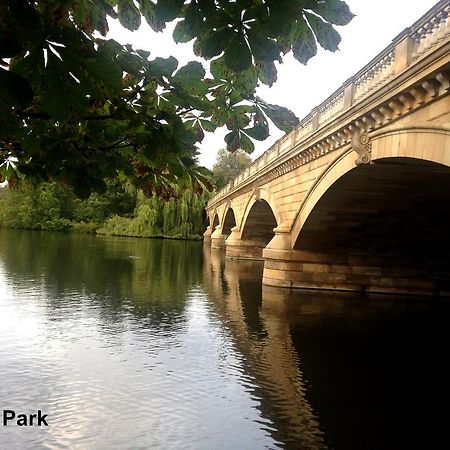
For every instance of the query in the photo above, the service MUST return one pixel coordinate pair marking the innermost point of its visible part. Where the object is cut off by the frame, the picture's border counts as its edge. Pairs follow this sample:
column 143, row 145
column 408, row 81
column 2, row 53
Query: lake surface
column 147, row 344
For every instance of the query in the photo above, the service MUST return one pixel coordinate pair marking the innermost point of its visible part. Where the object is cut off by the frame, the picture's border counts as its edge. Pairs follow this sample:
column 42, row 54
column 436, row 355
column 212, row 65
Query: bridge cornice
column 411, row 73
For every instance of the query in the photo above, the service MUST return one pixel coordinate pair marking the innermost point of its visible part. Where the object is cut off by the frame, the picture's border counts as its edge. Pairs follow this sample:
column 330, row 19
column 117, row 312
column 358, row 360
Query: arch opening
column 228, row 222
column 392, row 216
column 215, row 222
column 259, row 224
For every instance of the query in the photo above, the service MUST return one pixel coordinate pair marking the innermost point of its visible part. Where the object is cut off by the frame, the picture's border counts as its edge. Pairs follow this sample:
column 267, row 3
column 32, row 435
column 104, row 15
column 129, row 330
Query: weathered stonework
column 393, row 114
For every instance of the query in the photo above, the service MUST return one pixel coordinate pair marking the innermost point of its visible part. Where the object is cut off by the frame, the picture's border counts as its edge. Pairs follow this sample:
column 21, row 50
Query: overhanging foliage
column 80, row 108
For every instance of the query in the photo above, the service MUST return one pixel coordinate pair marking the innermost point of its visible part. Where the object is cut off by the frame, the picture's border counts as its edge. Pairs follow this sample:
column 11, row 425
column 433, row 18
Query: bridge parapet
column 374, row 96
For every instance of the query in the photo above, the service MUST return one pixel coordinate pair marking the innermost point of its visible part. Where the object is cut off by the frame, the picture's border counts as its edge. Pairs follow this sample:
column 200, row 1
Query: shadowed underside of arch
column 215, row 222
column 223, row 230
column 229, row 222
column 260, row 223
column 393, row 207
column 256, row 233
column 380, row 227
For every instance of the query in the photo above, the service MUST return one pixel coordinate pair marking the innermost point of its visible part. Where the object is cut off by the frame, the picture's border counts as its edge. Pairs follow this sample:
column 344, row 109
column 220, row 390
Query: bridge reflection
column 261, row 333
column 330, row 369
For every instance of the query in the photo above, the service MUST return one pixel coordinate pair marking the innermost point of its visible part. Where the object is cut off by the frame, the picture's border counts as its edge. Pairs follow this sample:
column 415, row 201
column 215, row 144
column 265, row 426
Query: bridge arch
column 228, row 221
column 259, row 222
column 258, row 195
column 255, row 229
column 411, row 144
column 381, row 227
column 223, row 222
column 214, row 221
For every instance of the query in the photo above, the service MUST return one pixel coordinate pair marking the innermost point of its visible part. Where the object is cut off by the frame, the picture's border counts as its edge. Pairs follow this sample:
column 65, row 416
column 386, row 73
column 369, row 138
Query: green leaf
column 212, row 43
column 112, row 132
column 267, row 72
column 281, row 14
column 183, row 98
column 31, row 143
column 168, row 10
column 326, row 35
column 105, row 71
column 129, row 15
column 70, row 101
column 206, row 6
column 239, row 116
column 144, row 54
column 163, row 66
column 148, row 9
column 192, row 71
column 190, row 78
column 219, row 70
column 303, row 41
column 31, row 66
column 258, row 132
column 232, row 140
column 193, row 19
column 183, row 135
column 263, row 48
column 237, row 56
column 129, row 63
column 208, row 125
column 282, row 117
column 246, row 82
column 244, row 3
column 334, row 11
column 143, row 138
column 98, row 72
column 182, row 33
column 219, row 117
column 15, row 92
column 246, row 143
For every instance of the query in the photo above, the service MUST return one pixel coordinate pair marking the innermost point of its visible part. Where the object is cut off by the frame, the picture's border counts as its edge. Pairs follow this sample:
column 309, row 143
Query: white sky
column 300, row 88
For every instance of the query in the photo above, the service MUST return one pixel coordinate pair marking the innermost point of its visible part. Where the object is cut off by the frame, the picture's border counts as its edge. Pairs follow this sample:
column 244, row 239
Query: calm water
column 147, row 344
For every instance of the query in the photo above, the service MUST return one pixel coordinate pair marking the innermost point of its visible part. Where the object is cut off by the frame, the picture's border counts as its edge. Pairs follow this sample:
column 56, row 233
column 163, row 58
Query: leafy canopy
column 228, row 165
column 81, row 108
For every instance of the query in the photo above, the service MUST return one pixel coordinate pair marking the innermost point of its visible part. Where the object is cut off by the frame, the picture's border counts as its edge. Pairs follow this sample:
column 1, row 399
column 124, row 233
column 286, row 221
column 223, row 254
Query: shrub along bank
column 120, row 211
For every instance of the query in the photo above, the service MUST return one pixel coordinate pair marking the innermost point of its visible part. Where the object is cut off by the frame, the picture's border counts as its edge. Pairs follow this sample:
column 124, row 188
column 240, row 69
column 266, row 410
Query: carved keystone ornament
column 363, row 147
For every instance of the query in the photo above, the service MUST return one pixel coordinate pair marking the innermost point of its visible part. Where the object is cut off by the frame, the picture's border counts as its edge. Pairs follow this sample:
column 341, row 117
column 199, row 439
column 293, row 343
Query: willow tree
column 80, row 108
column 181, row 217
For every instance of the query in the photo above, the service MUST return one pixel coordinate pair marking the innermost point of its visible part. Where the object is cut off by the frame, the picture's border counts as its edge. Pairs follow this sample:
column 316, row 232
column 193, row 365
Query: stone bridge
column 357, row 197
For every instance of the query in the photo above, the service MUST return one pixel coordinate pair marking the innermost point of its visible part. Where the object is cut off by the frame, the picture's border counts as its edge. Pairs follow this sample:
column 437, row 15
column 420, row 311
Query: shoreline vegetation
column 120, row 211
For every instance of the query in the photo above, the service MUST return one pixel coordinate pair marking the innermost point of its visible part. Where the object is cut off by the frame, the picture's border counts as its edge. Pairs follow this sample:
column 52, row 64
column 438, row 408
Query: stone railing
column 408, row 48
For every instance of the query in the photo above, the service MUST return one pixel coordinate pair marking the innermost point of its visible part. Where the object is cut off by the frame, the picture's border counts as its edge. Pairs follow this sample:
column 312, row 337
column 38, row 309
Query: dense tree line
column 121, row 210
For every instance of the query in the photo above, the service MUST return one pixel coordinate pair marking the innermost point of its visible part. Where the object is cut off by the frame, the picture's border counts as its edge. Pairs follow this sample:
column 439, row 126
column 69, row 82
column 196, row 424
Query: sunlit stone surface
column 352, row 199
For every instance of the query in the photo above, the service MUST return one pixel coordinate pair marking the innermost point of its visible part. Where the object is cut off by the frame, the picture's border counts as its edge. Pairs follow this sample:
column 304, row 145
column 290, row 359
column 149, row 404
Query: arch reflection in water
column 337, row 370
column 263, row 338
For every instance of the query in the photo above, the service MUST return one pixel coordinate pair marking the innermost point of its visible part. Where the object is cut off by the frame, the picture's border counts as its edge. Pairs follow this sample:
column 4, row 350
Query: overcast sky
column 301, row 88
